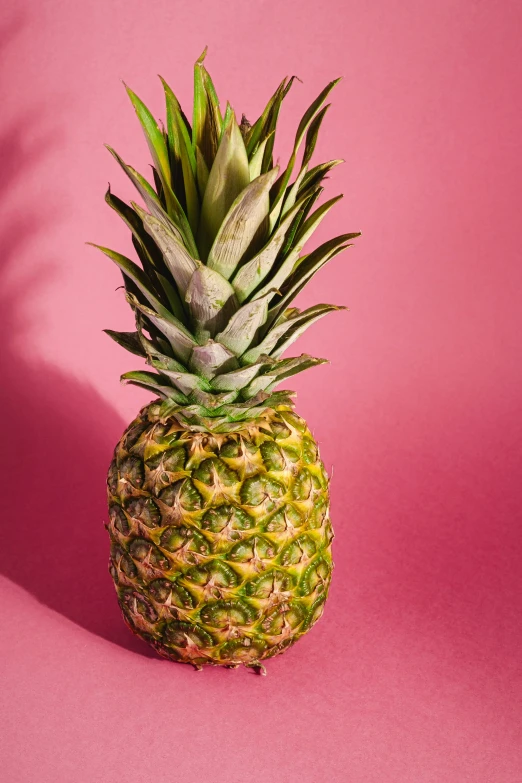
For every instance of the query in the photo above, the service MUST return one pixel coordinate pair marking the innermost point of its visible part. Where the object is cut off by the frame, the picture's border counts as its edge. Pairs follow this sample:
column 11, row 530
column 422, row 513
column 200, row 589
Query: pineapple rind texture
column 220, row 543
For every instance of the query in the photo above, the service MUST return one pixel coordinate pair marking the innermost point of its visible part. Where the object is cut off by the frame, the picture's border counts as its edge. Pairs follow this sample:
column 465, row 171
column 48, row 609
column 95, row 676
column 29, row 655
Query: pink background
column 414, row 674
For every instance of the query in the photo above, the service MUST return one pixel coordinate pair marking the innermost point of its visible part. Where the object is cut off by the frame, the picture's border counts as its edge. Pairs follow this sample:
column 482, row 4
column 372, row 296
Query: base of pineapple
column 220, row 543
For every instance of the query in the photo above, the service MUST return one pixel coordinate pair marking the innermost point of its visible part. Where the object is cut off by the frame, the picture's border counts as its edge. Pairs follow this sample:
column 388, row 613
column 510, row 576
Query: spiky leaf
column 128, row 340
column 178, row 336
column 211, row 300
column 228, row 176
column 206, row 125
column 243, row 326
column 242, row 223
column 177, row 259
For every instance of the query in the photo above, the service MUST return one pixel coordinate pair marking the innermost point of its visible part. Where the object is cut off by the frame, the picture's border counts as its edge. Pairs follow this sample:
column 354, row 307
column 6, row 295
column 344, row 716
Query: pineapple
column 218, row 500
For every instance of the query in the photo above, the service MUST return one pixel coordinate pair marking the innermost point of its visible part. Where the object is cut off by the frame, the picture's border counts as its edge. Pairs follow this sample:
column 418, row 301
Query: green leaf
column 149, row 254
column 281, row 370
column 154, row 204
column 310, row 142
column 154, row 137
column 312, row 135
column 201, row 173
column 160, row 156
column 238, row 379
column 255, row 165
column 301, row 130
column 277, row 332
column 206, row 125
column 226, row 118
column 315, row 176
column 297, row 330
column 182, row 148
column 178, row 336
column 145, row 189
column 174, row 215
column 265, row 126
column 137, row 275
column 313, row 221
column 242, row 327
column 306, row 268
column 177, row 126
column 259, row 384
column 153, row 352
column 145, row 247
column 242, row 223
column 158, row 383
column 191, row 193
column 308, row 228
column 292, row 193
column 128, row 340
column 177, row 259
column 251, row 274
column 185, row 382
column 308, row 200
column 175, row 303
column 287, row 367
column 258, row 131
column 211, row 301
column 228, row 176
column 211, row 358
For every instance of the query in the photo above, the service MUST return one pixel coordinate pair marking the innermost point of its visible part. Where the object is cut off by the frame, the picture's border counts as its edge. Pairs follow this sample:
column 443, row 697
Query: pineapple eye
column 316, row 577
column 261, row 490
column 279, row 431
column 131, row 470
column 144, row 510
column 299, row 551
column 147, row 553
column 275, row 584
column 175, row 538
column 183, row 495
column 272, row 456
column 171, row 460
column 253, row 550
column 284, row 619
column 284, row 520
column 306, row 486
column 187, row 636
column 166, row 592
column 294, row 421
column 310, row 452
column 133, row 604
column 214, row 471
column 226, row 516
column 245, row 650
column 112, row 478
column 133, row 433
column 224, row 614
column 215, row 574
column 119, row 520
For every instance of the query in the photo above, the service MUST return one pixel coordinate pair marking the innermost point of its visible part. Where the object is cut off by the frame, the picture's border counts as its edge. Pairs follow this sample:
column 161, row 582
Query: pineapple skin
column 220, row 543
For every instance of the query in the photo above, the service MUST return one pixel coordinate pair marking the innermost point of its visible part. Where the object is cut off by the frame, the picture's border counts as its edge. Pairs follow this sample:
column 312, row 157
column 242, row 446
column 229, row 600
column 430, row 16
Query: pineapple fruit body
column 220, row 543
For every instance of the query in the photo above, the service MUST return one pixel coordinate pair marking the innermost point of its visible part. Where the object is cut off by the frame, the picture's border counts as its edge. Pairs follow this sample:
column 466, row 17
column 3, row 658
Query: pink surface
column 413, row 675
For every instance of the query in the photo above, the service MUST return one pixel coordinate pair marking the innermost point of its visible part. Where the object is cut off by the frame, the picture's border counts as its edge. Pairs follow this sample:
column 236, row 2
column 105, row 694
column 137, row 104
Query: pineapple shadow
column 58, row 436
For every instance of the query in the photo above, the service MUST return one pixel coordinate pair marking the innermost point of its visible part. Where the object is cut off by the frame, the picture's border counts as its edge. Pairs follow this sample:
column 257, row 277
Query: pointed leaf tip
column 202, row 56
column 228, row 176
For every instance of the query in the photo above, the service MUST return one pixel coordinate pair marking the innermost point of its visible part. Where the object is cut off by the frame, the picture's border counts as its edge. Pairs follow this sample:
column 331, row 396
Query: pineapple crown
column 220, row 244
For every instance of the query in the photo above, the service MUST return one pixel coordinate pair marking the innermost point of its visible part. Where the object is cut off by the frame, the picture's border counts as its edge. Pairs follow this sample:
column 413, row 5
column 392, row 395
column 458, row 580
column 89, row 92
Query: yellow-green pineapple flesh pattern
column 220, row 544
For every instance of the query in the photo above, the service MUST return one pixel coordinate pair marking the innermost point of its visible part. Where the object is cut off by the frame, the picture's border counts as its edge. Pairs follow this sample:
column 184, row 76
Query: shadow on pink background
column 413, row 675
